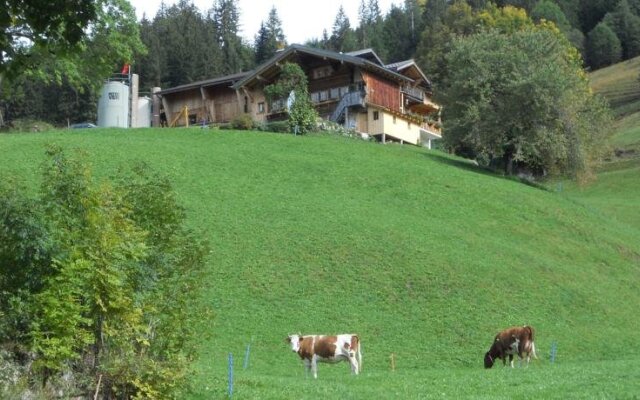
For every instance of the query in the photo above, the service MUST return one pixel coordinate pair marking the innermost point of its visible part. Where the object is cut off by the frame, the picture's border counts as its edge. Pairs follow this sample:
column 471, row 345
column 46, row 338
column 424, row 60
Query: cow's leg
column 307, row 367
column 354, row 364
column 314, row 366
column 511, row 360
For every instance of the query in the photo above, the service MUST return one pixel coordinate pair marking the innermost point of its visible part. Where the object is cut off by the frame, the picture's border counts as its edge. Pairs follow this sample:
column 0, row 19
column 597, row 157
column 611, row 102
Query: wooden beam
column 247, row 93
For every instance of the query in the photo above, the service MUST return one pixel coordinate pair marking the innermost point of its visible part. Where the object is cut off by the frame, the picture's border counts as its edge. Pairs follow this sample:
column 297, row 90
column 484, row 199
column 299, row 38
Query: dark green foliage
column 29, row 99
column 101, row 278
column 235, row 55
column 269, row 38
column 434, row 10
column 523, row 99
column 603, row 47
column 187, row 46
column 550, row 11
column 626, row 25
column 57, row 26
column 278, row 126
column 292, row 83
column 401, row 31
column 370, row 24
column 528, row 5
column 342, row 36
column 593, row 11
column 436, row 40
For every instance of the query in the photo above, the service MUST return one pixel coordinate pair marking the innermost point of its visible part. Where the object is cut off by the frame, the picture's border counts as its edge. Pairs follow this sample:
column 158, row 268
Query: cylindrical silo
column 144, row 113
column 113, row 106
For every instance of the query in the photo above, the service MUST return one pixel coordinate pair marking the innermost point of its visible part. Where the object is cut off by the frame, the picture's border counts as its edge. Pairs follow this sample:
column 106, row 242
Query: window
column 334, row 93
column 376, row 115
column 261, row 108
column 322, row 72
column 324, row 95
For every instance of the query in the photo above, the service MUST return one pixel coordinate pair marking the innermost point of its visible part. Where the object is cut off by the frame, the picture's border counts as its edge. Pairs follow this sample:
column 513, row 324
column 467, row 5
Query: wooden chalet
column 390, row 102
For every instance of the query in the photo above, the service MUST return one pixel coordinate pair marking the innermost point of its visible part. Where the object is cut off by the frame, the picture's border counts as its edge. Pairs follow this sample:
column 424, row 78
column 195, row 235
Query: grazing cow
column 516, row 340
column 330, row 349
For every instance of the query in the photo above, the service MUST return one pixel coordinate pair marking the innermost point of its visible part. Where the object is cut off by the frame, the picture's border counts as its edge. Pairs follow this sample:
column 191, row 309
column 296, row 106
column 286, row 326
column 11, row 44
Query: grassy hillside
column 421, row 254
column 617, row 189
column 620, row 85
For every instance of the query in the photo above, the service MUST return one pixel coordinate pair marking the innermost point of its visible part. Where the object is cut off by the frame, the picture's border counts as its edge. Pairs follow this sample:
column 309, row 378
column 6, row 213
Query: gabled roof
column 324, row 54
column 402, row 66
column 367, row 54
column 230, row 79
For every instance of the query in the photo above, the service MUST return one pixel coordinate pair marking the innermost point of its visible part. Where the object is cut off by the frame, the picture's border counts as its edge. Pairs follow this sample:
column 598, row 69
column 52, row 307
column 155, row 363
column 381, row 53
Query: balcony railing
column 414, row 92
column 319, row 96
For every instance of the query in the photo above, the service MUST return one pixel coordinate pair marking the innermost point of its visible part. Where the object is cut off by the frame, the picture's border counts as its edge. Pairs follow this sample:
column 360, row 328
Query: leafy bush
column 302, row 114
column 278, row 126
column 243, row 122
column 28, row 125
column 101, row 279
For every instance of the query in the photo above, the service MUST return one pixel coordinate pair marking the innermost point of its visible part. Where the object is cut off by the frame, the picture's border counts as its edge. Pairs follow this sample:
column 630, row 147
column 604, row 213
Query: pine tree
column 342, row 37
column 227, row 22
column 269, row 38
column 626, row 25
column 401, row 31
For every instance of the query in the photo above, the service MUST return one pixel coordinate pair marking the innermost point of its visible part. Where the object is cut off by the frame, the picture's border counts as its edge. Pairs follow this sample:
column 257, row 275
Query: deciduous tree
column 603, row 46
column 523, row 98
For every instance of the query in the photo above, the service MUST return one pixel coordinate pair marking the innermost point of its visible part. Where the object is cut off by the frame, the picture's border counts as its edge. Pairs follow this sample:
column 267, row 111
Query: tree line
column 183, row 44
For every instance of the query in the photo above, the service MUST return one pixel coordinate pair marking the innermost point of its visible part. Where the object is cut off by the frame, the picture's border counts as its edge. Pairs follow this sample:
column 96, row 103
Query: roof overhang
column 270, row 68
column 225, row 81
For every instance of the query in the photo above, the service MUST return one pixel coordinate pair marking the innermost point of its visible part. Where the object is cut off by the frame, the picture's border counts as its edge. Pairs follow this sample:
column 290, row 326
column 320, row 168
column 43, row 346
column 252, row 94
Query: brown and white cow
column 515, row 340
column 329, row 349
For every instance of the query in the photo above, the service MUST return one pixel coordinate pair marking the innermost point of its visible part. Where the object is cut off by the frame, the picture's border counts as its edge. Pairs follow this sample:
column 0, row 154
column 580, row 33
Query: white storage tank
column 113, row 106
column 144, row 113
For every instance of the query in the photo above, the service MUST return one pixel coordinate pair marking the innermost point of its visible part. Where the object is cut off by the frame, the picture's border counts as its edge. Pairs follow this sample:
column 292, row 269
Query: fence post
column 230, row 374
column 246, row 357
column 554, row 351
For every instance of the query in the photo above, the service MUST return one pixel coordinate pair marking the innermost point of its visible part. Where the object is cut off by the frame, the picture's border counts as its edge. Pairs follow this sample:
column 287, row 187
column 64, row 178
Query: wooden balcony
column 417, row 100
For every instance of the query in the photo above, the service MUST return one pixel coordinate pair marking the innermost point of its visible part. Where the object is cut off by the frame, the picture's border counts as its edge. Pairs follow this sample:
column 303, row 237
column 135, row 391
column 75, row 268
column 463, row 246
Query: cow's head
column 488, row 360
column 294, row 342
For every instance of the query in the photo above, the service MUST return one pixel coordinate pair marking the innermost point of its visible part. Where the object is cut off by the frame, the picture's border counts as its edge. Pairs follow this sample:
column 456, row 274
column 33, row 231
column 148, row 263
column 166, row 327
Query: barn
column 389, row 102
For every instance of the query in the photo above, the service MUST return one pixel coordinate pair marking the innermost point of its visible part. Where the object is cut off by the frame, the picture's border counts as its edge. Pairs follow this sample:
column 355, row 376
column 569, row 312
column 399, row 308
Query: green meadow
column 422, row 254
column 616, row 190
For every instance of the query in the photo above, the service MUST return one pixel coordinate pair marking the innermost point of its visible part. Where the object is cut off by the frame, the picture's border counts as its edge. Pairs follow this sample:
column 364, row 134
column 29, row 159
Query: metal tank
column 113, row 106
column 144, row 113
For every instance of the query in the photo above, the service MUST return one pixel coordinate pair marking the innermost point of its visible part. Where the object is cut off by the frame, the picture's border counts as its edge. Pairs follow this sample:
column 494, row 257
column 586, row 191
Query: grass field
column 616, row 192
column 422, row 254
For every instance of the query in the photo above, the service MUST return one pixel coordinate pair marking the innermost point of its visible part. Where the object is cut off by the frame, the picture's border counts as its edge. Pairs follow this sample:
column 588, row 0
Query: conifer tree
column 269, row 38
column 342, row 36
column 626, row 25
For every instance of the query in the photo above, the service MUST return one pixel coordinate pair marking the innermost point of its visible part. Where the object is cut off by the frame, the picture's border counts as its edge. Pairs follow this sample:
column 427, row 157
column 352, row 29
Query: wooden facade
column 382, row 92
column 355, row 89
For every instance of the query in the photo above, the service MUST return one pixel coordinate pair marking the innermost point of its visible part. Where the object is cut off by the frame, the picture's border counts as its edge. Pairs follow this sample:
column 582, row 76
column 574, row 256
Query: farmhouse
column 389, row 102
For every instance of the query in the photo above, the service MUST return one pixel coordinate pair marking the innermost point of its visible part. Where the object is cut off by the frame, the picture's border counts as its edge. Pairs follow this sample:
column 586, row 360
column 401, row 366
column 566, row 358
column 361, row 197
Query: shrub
column 243, row 122
column 278, row 126
column 27, row 125
column 110, row 280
